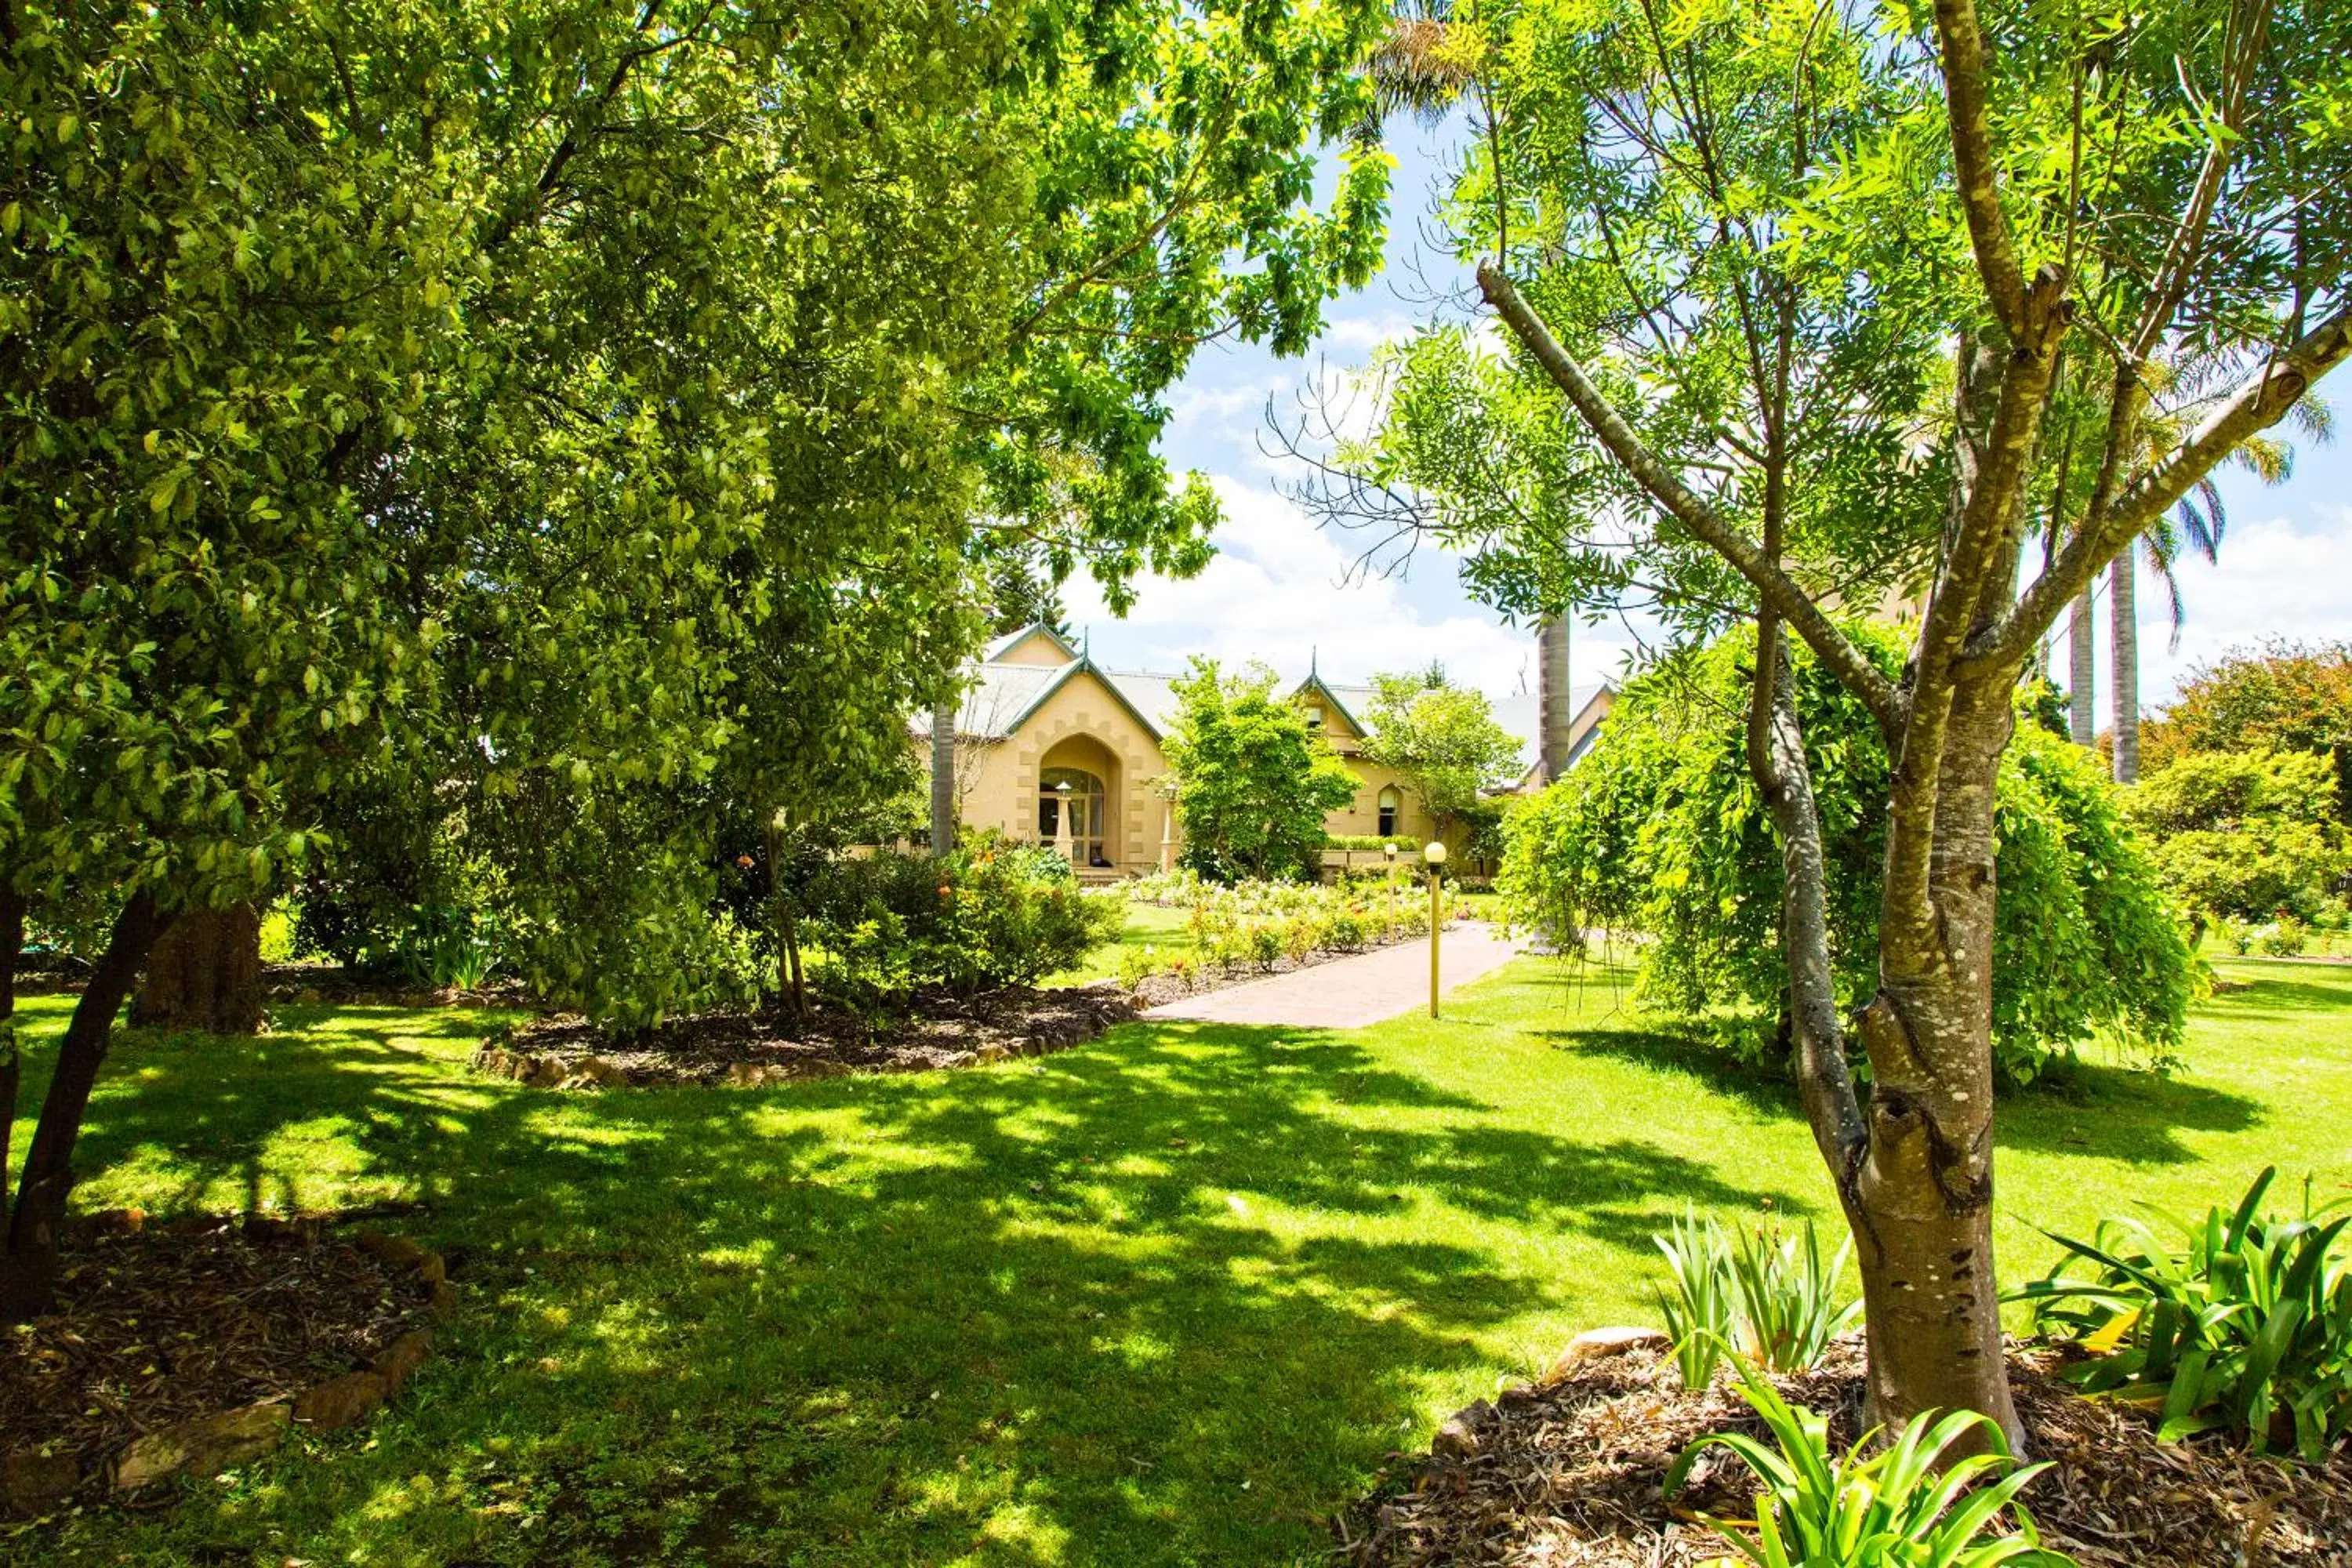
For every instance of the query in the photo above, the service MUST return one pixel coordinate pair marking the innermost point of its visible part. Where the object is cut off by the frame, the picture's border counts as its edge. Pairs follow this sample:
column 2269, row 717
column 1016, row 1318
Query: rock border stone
column 32, row 1481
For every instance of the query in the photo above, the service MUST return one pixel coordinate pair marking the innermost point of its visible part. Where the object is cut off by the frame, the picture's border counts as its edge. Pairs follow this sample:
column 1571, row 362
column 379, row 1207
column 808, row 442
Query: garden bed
column 1157, row 990
column 191, row 1345
column 1570, row 1471
column 747, row 1049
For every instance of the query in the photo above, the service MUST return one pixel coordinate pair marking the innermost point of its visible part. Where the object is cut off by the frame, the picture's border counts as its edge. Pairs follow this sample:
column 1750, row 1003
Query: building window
column 1315, row 715
column 1390, row 800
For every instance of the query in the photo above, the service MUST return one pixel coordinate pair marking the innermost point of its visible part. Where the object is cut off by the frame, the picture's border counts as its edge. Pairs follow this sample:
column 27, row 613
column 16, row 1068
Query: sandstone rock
column 121, row 1220
column 823, row 1067
column 402, row 1357
column 203, row 1446
column 30, row 1481
column 1458, row 1438
column 994, row 1054
column 340, row 1401
column 432, row 1269
column 396, row 1250
column 603, row 1074
column 444, row 1298
column 541, row 1072
column 1600, row 1345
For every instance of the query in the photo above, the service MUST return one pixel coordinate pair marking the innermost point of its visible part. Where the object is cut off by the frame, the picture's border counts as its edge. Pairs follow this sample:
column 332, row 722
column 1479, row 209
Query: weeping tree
column 1786, row 298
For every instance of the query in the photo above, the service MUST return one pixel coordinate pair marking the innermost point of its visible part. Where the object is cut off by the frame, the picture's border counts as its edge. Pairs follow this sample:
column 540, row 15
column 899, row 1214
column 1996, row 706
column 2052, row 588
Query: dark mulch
column 1570, row 1473
column 935, row 1031
column 331, row 984
column 189, row 1318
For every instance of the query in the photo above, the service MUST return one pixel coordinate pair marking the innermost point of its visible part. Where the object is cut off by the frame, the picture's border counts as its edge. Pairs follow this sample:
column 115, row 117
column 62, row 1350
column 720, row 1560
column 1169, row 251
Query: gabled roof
column 1522, row 715
column 1002, row 695
column 1013, row 639
column 1351, row 701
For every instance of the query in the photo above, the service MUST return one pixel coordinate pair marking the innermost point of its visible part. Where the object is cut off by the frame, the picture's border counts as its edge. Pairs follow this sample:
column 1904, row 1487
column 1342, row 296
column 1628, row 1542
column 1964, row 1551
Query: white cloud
column 1286, row 592
column 2281, row 576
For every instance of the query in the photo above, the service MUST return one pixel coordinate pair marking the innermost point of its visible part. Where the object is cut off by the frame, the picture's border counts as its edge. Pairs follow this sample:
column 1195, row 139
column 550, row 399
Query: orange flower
column 744, row 861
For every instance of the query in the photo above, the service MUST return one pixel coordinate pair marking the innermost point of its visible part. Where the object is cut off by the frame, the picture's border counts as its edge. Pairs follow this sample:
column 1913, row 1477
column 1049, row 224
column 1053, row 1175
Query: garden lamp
column 1434, row 853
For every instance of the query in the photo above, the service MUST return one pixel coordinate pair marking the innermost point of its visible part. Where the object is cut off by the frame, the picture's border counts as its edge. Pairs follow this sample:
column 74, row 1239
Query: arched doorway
column 1071, row 800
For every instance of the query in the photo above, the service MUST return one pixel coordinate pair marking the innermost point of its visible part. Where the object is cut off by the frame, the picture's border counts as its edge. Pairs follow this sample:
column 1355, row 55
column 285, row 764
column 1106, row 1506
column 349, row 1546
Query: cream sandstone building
column 1054, row 748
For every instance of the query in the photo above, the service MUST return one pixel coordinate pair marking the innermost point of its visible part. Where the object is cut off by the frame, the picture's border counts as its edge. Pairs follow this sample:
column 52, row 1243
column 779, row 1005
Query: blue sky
column 1275, row 589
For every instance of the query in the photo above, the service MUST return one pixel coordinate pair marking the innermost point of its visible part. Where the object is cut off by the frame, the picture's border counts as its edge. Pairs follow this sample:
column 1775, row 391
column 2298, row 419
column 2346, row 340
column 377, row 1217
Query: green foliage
column 1898, row 1505
column 1441, row 739
column 1661, row 830
column 1771, row 1297
column 2276, row 696
column 2245, row 834
column 2244, row 1325
column 992, row 914
column 1253, row 781
column 1788, row 1297
column 1374, row 843
column 1701, row 1313
column 524, row 433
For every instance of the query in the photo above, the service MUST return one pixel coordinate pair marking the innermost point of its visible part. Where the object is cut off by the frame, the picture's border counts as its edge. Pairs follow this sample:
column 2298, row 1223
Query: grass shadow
column 1167, row 1298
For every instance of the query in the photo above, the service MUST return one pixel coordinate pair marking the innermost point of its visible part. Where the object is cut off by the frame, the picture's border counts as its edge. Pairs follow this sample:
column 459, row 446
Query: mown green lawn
column 1148, row 926
column 1167, row 1299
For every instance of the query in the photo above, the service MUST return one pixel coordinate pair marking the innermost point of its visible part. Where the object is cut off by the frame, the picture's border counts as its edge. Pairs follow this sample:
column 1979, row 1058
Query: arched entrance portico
column 1079, row 797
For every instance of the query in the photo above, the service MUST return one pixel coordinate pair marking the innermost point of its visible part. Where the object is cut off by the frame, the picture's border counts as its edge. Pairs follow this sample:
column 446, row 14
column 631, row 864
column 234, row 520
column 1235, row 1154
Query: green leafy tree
column 2246, row 834
column 2276, row 696
column 1661, row 830
column 1792, row 303
column 1253, row 781
column 580, row 410
column 1442, row 740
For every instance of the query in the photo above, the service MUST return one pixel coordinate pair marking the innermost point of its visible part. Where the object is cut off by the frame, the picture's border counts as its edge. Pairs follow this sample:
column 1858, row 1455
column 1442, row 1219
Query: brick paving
column 1349, row 993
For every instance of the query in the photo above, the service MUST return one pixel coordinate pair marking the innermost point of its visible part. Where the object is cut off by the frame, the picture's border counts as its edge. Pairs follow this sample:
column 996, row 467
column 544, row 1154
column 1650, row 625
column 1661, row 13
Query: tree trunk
column 943, row 798
column 2124, row 634
column 205, row 974
column 12, row 945
column 1921, row 1203
column 2082, row 650
column 28, row 1264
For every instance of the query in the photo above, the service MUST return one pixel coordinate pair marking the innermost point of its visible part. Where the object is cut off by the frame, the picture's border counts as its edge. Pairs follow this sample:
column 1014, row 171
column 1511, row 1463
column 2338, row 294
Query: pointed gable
column 1032, row 644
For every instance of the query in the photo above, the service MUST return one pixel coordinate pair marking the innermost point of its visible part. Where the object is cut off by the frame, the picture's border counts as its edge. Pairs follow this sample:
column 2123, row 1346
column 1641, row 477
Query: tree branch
column 2261, row 402
column 1689, row 508
column 1963, row 45
column 1776, row 758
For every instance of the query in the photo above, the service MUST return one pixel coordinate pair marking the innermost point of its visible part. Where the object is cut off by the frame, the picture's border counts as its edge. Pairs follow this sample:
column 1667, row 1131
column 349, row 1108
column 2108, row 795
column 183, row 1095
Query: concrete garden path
column 1349, row 993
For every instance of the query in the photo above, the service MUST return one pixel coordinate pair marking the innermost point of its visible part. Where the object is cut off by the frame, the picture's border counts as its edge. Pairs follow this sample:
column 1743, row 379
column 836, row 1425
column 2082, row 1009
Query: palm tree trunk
column 943, row 801
column 2082, row 650
column 2124, row 636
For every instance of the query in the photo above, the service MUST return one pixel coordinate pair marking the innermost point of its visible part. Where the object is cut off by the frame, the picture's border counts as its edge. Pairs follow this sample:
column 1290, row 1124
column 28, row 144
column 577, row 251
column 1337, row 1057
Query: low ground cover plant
column 1888, row 1505
column 2244, row 1325
column 1251, row 926
column 1769, row 1296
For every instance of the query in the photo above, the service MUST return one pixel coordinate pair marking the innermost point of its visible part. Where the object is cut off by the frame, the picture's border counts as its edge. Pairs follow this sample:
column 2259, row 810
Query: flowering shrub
column 994, row 913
